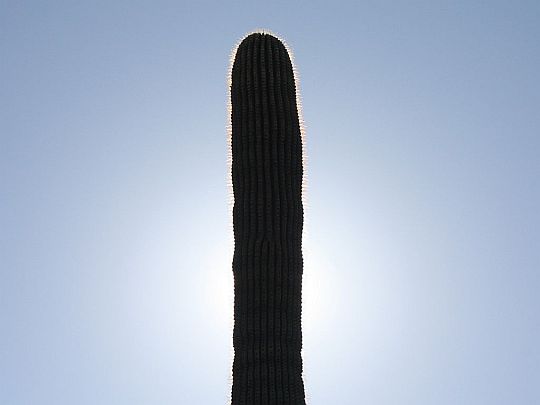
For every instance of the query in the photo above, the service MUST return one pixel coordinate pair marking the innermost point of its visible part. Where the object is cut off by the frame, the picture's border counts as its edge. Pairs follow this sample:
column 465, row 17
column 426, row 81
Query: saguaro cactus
column 267, row 176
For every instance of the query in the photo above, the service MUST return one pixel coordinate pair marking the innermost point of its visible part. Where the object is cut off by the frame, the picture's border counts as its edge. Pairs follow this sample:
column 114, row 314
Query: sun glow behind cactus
column 420, row 250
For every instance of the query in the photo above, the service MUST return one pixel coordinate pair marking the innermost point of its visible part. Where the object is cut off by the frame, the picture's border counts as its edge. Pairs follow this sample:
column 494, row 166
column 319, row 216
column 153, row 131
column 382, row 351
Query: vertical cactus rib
column 267, row 182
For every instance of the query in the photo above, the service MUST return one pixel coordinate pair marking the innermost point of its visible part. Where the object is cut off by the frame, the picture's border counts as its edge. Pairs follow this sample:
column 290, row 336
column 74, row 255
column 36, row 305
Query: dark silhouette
column 267, row 172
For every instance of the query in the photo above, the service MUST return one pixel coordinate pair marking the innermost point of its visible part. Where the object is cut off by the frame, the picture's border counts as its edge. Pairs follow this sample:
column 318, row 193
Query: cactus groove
column 267, row 172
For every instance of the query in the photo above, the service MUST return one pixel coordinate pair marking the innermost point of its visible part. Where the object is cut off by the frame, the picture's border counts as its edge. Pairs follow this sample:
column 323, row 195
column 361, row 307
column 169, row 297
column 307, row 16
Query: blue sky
column 422, row 230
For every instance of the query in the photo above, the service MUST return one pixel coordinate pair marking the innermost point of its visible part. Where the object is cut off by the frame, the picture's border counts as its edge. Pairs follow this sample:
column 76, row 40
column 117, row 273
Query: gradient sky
column 422, row 233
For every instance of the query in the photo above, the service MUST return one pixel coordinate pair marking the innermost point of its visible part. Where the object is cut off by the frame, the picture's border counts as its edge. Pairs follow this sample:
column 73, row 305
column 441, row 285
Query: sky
column 422, row 229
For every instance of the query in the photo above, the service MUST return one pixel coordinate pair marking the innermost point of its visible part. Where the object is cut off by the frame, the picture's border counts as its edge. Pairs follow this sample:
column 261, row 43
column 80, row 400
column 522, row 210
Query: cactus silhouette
column 267, row 175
